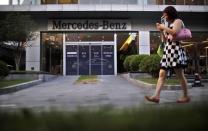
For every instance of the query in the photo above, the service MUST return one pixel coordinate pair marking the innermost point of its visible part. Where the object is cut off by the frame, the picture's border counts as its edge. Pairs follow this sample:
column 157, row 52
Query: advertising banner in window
column 71, row 60
column 84, row 60
column 96, row 60
column 108, row 59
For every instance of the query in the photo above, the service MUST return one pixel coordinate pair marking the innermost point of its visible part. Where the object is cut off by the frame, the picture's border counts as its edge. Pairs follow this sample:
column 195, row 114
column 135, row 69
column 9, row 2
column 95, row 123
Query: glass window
column 129, row 49
column 170, row 2
column 89, row 1
column 177, row 2
column 108, row 1
column 59, row 1
column 196, row 49
column 49, row 1
column 194, row 2
column 174, row 2
column 155, row 2
column 111, row 1
column 67, row 1
column 180, row 2
column 129, row 1
column 52, row 52
column 84, row 1
column 154, row 42
column 95, row 1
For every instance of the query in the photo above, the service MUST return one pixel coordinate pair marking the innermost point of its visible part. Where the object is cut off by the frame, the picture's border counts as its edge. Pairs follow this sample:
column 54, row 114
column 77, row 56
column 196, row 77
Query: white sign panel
column 85, row 25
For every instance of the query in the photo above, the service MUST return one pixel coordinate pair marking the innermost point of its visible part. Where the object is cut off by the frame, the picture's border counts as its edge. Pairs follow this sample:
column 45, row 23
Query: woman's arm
column 176, row 27
column 162, row 36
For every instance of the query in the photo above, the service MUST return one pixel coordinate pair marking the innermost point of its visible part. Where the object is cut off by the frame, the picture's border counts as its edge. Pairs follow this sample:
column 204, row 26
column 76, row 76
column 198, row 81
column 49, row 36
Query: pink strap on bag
column 183, row 34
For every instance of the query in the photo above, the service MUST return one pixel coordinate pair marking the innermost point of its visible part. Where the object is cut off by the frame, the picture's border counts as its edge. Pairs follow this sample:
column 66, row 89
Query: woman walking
column 174, row 57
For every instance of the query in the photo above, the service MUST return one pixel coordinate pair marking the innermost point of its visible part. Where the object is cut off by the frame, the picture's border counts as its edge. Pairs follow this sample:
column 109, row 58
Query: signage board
column 88, row 25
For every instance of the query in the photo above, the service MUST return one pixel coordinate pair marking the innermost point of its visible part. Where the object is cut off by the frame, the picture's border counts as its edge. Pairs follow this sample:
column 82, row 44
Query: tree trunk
column 17, row 66
column 17, row 62
column 17, row 56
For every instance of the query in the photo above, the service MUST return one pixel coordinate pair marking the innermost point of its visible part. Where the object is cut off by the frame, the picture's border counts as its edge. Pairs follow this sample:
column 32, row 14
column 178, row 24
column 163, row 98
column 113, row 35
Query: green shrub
column 151, row 64
column 135, row 61
column 126, row 63
column 154, row 65
column 143, row 66
column 4, row 70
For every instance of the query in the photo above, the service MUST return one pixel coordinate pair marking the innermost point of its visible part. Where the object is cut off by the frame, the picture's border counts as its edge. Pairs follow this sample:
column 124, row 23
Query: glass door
column 108, row 59
column 95, row 59
column 71, row 60
column 84, row 62
column 89, row 53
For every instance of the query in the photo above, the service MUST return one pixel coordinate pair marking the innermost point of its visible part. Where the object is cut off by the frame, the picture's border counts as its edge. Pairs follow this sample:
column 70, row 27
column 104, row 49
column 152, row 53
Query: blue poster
column 83, row 59
column 96, row 60
column 108, row 59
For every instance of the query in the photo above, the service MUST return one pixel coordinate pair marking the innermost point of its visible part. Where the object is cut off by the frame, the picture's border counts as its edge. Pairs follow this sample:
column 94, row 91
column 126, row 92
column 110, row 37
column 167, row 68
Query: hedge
column 126, row 63
column 4, row 70
column 135, row 61
column 151, row 64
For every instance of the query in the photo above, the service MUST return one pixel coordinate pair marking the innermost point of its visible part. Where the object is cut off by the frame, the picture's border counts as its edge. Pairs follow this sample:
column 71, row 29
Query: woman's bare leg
column 160, row 83
column 183, row 81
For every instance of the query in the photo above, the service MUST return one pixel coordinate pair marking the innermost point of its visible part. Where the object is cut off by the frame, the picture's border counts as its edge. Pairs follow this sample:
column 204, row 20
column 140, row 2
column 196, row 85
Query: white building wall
column 144, row 42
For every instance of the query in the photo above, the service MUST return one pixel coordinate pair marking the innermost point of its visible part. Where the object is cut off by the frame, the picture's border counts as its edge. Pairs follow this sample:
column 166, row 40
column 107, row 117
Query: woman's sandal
column 152, row 99
column 186, row 100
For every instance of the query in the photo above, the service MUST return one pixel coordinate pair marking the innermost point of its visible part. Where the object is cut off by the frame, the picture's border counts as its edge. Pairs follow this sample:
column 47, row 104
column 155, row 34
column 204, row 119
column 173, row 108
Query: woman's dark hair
column 171, row 12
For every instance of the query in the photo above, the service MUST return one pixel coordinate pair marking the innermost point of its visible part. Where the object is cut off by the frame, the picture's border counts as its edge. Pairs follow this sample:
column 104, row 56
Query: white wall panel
column 144, row 42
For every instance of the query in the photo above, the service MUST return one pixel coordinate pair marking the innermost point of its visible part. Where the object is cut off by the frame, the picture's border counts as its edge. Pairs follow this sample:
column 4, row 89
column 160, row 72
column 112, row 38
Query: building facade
column 86, row 37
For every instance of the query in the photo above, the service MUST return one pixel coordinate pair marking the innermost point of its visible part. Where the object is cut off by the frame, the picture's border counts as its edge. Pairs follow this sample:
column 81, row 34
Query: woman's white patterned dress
column 174, row 55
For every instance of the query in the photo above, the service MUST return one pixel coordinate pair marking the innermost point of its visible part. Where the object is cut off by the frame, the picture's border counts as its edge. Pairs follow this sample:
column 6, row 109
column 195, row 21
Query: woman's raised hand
column 160, row 27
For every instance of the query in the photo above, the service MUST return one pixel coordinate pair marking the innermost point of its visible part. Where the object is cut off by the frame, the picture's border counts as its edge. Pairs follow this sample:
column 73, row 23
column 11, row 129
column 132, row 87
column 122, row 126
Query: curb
column 14, row 88
column 152, row 86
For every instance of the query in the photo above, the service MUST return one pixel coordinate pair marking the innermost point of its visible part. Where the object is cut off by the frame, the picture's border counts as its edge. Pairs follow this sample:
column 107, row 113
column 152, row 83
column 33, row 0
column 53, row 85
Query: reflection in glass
column 149, row 2
column 59, row 1
column 180, row 2
column 89, row 37
column 67, row 1
column 194, row 2
column 155, row 2
column 170, row 2
column 154, row 42
column 176, row 2
column 108, row 1
column 49, row 1
column 89, row 1
column 51, row 53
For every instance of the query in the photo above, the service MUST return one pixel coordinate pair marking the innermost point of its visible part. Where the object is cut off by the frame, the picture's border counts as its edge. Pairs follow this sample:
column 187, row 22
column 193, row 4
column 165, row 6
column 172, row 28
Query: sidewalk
column 171, row 93
column 114, row 91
